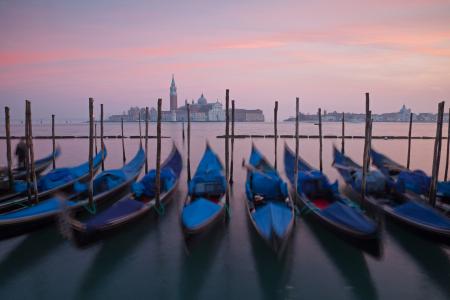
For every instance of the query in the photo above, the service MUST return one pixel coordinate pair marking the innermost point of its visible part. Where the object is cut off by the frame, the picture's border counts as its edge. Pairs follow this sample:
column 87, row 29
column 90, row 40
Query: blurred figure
column 21, row 153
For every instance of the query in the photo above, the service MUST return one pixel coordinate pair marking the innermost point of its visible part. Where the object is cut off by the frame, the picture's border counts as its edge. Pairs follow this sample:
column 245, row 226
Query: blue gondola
column 404, row 210
column 205, row 203
column 321, row 199
column 269, row 206
column 40, row 165
column 106, row 185
column 55, row 180
column 135, row 204
column 414, row 184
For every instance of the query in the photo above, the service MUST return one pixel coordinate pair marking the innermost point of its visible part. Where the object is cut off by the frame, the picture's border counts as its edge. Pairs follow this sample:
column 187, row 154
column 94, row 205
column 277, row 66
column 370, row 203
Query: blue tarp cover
column 349, row 216
column 375, row 182
column 121, row 208
column 270, row 187
column 416, row 181
column 60, row 176
column 198, row 212
column 147, row 185
column 422, row 214
column 273, row 217
column 313, row 183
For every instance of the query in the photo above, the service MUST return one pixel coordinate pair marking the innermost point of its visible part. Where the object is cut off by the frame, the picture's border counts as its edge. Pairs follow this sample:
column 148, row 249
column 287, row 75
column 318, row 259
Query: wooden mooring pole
column 319, row 113
column 146, row 140
column 408, row 157
column 8, row 149
column 275, row 121
column 448, row 148
column 343, row 134
column 31, row 149
column 158, row 155
column 140, row 130
column 182, row 132
column 53, row 142
column 366, row 155
column 27, row 156
column 366, row 133
column 189, row 142
column 232, row 143
column 437, row 154
column 95, row 137
column 102, row 145
column 124, row 157
column 227, row 133
column 91, row 150
column 297, row 108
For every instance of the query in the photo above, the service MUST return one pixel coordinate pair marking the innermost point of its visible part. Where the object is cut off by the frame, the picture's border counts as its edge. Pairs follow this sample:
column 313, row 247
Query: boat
column 134, row 205
column 413, row 184
column 20, row 173
column 322, row 200
column 50, row 183
column 413, row 214
column 269, row 205
column 106, row 185
column 205, row 204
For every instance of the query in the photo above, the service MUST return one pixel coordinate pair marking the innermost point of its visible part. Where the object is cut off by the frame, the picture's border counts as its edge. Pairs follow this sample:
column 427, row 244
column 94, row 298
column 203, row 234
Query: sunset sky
column 123, row 53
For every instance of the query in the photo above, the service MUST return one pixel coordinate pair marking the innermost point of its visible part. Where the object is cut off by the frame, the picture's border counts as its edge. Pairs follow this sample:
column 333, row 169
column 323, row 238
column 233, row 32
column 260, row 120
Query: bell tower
column 173, row 95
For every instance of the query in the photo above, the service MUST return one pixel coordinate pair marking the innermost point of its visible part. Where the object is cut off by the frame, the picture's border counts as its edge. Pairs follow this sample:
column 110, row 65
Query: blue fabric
column 199, row 212
column 108, row 180
column 270, row 187
column 416, row 181
column 208, row 178
column 443, row 189
column 349, row 216
column 147, row 185
column 422, row 214
column 60, row 176
column 50, row 205
column 119, row 209
column 375, row 182
column 314, row 183
column 273, row 218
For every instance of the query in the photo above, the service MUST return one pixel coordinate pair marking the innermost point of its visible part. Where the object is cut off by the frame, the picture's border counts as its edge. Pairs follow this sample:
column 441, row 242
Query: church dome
column 202, row 100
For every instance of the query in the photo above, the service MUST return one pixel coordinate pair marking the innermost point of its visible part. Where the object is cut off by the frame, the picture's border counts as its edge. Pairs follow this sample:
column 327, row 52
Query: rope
column 228, row 211
column 160, row 209
column 92, row 210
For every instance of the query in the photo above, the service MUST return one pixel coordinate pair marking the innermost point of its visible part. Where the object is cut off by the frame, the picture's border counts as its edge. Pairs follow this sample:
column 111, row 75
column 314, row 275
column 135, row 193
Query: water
column 150, row 258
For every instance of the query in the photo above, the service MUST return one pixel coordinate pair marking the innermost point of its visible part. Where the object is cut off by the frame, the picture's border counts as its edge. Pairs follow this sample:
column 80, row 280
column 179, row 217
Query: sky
column 123, row 53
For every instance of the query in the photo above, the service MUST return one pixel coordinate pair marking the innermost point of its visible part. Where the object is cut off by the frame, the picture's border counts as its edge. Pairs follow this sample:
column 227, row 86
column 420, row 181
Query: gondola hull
column 29, row 219
column 206, row 226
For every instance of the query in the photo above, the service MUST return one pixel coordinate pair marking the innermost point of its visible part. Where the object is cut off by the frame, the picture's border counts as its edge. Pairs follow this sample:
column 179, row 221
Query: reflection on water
column 429, row 256
column 148, row 259
column 348, row 260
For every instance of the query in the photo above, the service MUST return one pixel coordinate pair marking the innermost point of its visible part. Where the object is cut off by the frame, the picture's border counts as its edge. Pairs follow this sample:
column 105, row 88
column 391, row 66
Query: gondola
column 135, row 204
column 205, row 204
column 415, row 215
column 20, row 173
column 414, row 184
column 323, row 201
column 54, row 181
column 269, row 206
column 106, row 185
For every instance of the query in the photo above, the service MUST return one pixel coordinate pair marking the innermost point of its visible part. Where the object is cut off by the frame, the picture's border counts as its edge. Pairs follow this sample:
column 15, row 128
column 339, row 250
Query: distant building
column 173, row 95
column 201, row 111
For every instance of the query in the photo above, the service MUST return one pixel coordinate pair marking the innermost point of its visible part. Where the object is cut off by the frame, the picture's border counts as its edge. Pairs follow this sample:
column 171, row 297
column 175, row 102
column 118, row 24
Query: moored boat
column 415, row 215
column 54, row 181
column 269, row 205
column 205, row 205
column 106, row 185
column 134, row 205
column 323, row 201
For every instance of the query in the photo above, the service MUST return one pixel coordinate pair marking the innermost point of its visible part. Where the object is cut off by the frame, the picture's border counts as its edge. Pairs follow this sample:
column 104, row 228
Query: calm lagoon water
column 149, row 259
